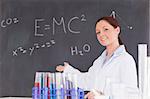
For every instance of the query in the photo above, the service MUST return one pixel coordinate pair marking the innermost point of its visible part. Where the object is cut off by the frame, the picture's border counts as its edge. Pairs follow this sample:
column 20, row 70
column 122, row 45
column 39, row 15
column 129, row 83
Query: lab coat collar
column 121, row 49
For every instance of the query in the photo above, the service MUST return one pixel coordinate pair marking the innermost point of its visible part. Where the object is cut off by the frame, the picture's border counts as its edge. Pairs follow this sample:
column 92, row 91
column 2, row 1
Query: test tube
column 45, row 88
column 35, row 89
column 53, row 86
column 49, row 84
column 36, row 84
column 68, row 85
column 75, row 87
column 64, row 85
column 59, row 85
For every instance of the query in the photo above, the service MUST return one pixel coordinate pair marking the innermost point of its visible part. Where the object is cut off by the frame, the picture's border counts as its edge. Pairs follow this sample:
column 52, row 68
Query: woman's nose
column 101, row 34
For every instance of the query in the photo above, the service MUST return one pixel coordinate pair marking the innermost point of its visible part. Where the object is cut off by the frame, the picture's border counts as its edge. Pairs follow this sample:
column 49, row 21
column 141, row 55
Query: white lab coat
column 119, row 69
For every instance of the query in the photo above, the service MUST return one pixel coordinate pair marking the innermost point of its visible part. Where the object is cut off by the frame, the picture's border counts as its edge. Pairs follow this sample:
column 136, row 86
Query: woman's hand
column 89, row 95
column 92, row 94
column 61, row 68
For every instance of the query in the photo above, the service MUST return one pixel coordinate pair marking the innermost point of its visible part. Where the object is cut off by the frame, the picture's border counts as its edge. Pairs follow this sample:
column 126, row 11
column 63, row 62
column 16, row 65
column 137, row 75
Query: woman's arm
column 84, row 80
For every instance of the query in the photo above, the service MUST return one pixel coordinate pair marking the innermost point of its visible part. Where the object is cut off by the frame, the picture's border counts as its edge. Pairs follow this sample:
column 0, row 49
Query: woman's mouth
column 103, row 38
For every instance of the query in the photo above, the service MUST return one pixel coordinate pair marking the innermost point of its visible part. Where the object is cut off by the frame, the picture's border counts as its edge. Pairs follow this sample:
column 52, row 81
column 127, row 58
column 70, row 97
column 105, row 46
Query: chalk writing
column 75, row 50
column 30, row 50
column 40, row 24
column 9, row 21
column 114, row 15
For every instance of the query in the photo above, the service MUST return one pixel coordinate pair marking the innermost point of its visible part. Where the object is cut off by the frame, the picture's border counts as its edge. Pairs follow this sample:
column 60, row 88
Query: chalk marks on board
column 75, row 50
column 114, row 15
column 40, row 24
column 35, row 47
column 9, row 21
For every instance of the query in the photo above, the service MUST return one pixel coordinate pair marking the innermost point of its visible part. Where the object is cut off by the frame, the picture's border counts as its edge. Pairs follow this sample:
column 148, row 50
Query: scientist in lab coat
column 114, row 66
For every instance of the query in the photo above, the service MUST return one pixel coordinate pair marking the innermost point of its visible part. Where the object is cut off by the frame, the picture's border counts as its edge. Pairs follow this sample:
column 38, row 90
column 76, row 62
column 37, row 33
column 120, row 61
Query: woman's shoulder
column 126, row 58
column 123, row 53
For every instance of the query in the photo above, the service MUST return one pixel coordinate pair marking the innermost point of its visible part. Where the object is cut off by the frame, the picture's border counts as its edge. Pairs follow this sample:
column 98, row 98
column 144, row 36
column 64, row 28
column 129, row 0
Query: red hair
column 112, row 21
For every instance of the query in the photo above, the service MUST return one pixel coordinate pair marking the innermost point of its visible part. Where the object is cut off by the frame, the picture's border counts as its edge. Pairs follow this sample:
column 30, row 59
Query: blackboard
column 37, row 35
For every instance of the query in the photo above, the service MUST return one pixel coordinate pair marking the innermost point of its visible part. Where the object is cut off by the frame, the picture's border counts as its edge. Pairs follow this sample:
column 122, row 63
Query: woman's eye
column 105, row 29
column 98, row 32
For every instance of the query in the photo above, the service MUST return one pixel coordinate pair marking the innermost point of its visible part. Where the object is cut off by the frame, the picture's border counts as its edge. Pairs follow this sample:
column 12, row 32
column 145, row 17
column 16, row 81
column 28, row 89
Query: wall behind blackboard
column 37, row 35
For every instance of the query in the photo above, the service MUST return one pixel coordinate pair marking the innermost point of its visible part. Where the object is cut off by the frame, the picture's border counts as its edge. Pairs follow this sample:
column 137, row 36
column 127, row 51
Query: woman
column 114, row 66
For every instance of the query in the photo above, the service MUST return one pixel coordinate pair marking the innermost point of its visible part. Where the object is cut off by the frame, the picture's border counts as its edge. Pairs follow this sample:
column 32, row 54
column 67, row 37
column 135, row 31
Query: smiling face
column 106, row 33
